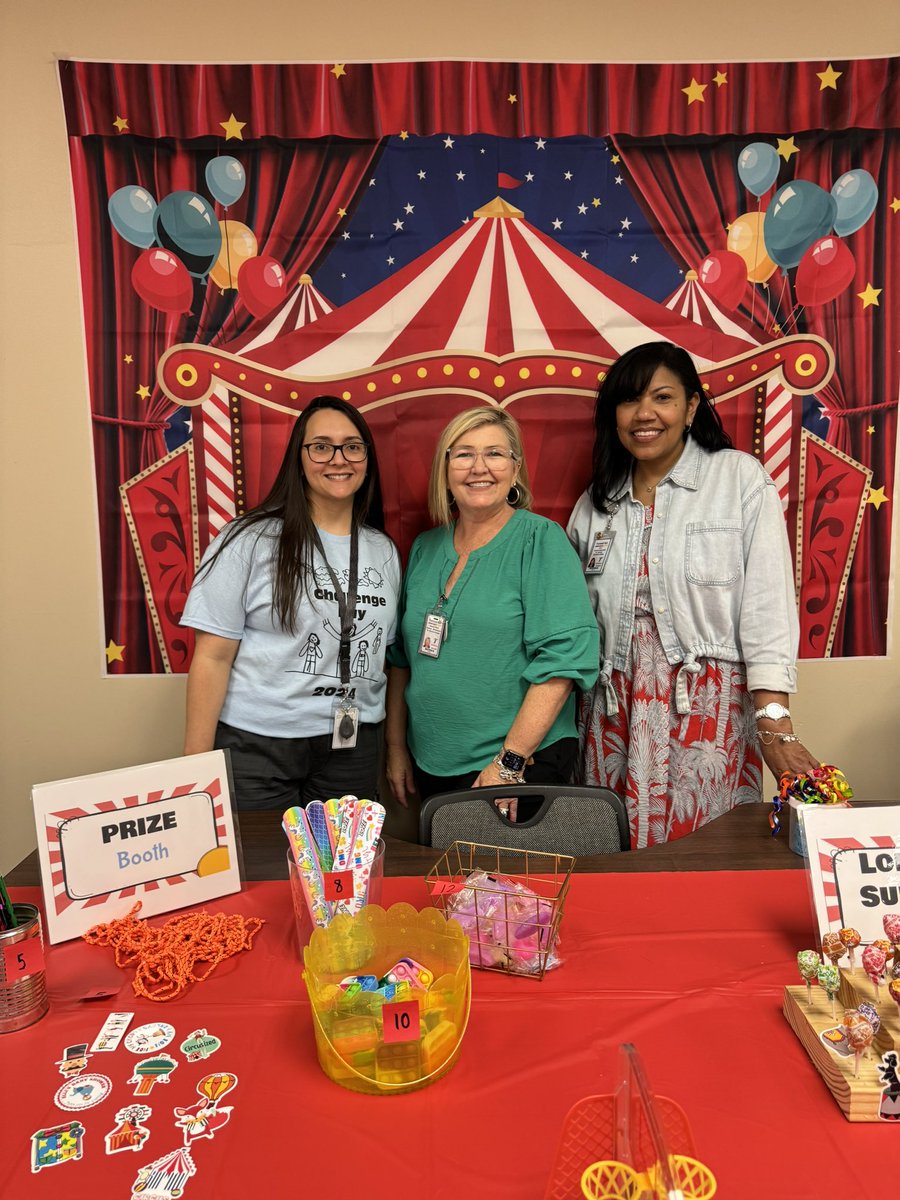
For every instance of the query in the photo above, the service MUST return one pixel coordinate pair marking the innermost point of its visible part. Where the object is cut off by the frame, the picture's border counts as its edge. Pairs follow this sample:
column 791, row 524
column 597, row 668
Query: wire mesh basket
column 509, row 902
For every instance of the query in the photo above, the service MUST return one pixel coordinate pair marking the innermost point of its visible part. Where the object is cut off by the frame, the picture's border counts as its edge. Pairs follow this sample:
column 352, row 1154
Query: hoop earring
column 687, row 430
column 451, row 499
column 513, row 499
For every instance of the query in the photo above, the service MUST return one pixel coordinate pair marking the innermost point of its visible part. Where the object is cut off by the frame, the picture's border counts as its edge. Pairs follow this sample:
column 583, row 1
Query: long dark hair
column 287, row 501
column 628, row 377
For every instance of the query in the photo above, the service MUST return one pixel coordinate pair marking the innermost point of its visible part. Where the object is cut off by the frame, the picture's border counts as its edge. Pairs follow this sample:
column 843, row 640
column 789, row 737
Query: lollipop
column 873, row 961
column 833, row 947
column 884, row 946
column 870, row 1012
column 851, row 939
column 859, row 1038
column 830, row 979
column 808, row 963
column 894, row 991
column 891, row 923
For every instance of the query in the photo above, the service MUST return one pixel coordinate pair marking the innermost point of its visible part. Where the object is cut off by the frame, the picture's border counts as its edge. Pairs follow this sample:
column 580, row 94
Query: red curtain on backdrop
column 313, row 132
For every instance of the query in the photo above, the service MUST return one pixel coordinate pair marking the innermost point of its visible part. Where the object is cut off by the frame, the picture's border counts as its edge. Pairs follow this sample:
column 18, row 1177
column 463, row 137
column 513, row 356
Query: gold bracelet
column 768, row 736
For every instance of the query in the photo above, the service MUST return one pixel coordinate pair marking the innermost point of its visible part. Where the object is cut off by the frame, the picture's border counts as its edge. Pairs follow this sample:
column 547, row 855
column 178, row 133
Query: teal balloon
column 186, row 224
column 855, row 194
column 226, row 179
column 131, row 211
column 798, row 214
column 758, row 167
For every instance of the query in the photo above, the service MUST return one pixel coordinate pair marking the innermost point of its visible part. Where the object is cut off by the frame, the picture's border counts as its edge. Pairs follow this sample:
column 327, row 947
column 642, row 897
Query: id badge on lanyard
column 603, row 541
column 434, row 633
column 345, row 724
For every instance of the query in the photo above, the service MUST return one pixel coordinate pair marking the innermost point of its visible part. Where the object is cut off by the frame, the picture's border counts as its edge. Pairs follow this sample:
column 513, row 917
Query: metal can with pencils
column 23, row 980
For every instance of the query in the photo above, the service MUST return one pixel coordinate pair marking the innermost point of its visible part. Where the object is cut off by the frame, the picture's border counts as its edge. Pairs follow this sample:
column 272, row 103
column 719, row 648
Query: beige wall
column 59, row 716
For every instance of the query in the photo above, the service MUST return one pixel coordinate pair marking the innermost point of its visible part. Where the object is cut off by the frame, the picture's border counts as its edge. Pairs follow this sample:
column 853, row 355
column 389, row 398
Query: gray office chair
column 570, row 820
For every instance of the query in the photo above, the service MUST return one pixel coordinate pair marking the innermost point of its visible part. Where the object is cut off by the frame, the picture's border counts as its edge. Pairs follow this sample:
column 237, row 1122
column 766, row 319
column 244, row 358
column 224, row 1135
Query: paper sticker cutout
column 836, row 1039
column 129, row 1133
column 889, row 1109
column 73, row 1061
column 58, row 1144
column 23, row 958
column 84, row 1091
column 205, row 1118
column 148, row 1038
column 165, row 1178
column 150, row 1071
column 199, row 1044
column 214, row 861
column 400, row 1022
column 112, row 1031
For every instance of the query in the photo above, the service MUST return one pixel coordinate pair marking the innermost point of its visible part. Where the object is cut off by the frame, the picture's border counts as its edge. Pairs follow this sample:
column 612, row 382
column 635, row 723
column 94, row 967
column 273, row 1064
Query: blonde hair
column 474, row 418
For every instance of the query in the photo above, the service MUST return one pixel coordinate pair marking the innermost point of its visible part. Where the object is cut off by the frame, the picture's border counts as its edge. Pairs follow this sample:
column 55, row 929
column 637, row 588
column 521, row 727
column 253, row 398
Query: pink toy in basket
column 509, row 927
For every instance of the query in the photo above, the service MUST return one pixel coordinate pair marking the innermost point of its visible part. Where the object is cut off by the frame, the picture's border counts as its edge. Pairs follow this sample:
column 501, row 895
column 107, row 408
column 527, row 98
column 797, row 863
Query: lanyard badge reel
column 345, row 722
column 434, row 631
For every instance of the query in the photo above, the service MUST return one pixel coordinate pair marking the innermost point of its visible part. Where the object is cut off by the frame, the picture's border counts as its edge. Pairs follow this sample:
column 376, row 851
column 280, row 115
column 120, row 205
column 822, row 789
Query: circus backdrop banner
column 420, row 238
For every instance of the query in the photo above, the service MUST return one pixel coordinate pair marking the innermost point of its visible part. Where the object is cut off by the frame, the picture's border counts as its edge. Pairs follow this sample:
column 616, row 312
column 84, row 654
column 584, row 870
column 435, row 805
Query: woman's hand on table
column 782, row 756
column 399, row 771
column 490, row 777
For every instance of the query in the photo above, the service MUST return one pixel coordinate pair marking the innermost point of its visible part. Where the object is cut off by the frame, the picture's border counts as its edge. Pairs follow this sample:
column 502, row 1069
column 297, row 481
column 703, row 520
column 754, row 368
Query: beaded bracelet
column 824, row 784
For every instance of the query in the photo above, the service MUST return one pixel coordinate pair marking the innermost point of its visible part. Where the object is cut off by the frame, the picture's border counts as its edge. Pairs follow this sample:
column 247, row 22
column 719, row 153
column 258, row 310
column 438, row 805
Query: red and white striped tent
column 497, row 314
column 304, row 306
column 781, row 421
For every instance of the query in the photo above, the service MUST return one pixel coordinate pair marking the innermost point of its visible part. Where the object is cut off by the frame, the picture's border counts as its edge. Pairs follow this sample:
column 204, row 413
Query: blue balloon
column 856, row 195
column 758, row 167
column 226, row 179
column 798, row 214
column 131, row 211
column 186, row 224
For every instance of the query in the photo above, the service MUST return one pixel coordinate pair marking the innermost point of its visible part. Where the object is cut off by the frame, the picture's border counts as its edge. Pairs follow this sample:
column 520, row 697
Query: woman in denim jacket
column 686, row 558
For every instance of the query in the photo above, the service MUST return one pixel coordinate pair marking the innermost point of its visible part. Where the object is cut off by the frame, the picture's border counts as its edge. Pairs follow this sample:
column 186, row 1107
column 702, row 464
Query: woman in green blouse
column 496, row 627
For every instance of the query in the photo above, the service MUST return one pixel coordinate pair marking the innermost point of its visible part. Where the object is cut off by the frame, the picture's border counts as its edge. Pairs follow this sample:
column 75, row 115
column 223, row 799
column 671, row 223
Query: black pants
column 274, row 772
column 553, row 764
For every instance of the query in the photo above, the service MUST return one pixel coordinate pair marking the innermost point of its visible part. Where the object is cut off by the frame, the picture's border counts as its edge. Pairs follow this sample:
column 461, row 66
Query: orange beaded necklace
column 166, row 959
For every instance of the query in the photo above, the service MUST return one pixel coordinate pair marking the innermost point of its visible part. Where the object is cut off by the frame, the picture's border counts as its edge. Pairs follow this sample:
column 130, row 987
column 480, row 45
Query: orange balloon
column 745, row 237
column 215, row 1086
column 238, row 244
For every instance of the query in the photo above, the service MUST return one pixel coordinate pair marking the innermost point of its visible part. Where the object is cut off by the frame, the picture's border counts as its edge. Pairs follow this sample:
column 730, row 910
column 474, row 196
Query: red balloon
column 724, row 275
column 162, row 281
column 824, row 271
column 261, row 284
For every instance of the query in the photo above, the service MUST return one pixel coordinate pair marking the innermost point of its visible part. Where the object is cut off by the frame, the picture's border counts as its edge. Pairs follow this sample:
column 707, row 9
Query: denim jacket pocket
column 713, row 553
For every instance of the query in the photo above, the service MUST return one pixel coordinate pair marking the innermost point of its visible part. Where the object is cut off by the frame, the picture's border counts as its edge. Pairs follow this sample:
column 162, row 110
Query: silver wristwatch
column 772, row 712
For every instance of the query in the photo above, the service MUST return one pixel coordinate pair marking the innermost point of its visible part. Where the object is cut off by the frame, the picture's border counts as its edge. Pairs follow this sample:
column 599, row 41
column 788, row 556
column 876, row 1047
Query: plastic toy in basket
column 508, row 901
column 390, row 996
column 628, row 1146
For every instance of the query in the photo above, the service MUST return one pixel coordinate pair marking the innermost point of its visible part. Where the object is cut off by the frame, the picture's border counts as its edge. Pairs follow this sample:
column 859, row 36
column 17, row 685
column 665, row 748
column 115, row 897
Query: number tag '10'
column 338, row 885
column 401, row 1021
column 23, row 958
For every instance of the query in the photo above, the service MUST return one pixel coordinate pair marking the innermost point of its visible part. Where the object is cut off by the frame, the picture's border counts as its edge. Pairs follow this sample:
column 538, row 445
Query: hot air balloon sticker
column 214, row 1087
column 203, row 1119
column 152, row 1070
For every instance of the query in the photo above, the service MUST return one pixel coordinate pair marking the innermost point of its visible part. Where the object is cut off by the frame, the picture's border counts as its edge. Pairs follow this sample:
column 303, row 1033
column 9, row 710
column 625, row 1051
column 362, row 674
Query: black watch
column 512, row 761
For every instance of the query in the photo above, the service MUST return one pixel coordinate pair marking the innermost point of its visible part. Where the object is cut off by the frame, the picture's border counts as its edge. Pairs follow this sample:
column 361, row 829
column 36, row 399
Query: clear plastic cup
column 303, row 922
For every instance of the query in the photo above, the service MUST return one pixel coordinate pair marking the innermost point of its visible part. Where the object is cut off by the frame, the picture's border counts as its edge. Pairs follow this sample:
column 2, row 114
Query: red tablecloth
column 689, row 967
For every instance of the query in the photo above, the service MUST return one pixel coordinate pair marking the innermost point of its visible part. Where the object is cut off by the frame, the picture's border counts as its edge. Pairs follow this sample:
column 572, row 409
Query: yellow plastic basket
column 349, row 1029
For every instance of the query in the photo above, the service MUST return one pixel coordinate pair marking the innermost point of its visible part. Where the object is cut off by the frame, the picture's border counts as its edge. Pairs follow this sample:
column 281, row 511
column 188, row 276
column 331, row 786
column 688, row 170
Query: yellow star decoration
column 719, row 78
column 128, row 359
column 596, row 202
column 870, row 296
column 870, row 429
column 895, row 205
column 233, row 128
column 786, row 148
column 615, row 159
column 404, row 134
column 114, row 653
column 828, row 78
column 695, row 92
column 143, row 392
column 338, row 70
column 342, row 212
column 121, row 123
column 876, row 498
column 776, row 328
column 512, row 98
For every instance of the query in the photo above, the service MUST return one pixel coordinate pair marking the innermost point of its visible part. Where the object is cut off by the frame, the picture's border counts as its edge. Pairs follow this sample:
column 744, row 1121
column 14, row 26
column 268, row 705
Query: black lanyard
column 346, row 602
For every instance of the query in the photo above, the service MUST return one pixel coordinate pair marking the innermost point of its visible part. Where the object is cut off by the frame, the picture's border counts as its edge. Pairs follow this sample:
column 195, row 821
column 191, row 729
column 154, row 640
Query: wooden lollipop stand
column 859, row 1098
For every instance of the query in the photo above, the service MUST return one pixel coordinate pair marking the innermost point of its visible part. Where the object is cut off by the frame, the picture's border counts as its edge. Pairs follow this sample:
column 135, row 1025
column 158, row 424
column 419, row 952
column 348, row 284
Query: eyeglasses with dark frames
column 354, row 451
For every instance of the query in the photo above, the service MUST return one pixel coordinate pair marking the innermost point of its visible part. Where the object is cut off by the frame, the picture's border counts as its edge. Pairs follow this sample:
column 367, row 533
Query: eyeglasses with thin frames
column 493, row 457
column 323, row 452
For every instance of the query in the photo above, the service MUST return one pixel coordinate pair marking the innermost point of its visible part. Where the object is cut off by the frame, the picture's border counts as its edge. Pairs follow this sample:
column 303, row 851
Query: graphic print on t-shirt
column 319, row 653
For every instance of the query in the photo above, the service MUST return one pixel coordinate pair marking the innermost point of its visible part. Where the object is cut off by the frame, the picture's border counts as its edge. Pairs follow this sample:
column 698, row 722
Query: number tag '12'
column 23, row 958
column 338, row 885
column 401, row 1021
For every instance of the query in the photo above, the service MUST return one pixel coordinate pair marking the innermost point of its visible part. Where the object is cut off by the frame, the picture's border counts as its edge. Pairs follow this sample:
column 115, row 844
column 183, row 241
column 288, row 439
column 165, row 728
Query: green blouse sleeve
column 561, row 636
